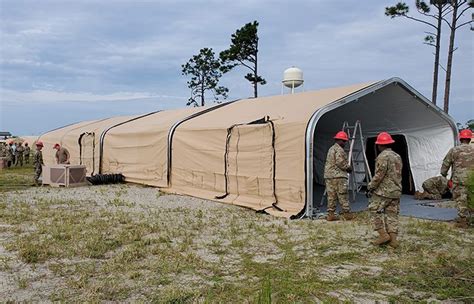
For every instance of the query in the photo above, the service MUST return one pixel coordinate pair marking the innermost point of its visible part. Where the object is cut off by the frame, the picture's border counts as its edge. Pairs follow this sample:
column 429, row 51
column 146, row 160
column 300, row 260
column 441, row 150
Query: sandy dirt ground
column 127, row 243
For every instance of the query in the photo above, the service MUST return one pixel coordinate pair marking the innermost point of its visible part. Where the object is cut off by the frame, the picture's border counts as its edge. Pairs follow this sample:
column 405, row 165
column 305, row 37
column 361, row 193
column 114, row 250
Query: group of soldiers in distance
column 385, row 188
column 16, row 154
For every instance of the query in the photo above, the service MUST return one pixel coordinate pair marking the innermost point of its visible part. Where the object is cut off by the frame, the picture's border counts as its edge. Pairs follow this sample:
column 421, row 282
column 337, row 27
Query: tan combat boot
column 383, row 237
column 348, row 216
column 393, row 240
column 331, row 217
column 461, row 222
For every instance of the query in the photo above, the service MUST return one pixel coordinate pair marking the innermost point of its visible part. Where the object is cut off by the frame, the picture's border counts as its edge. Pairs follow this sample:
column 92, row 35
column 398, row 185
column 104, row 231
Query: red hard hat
column 39, row 143
column 465, row 134
column 56, row 145
column 384, row 139
column 450, row 184
column 341, row 135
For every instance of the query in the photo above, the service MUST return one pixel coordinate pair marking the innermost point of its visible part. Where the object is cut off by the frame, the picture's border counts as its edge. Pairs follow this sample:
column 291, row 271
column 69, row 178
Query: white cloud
column 48, row 96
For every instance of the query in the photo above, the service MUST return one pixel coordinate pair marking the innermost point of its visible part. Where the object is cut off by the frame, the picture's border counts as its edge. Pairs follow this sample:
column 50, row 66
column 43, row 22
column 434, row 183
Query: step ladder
column 360, row 175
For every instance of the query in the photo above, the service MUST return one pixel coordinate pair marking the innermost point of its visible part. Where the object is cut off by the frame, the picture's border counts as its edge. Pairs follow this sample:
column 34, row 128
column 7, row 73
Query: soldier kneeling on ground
column 435, row 188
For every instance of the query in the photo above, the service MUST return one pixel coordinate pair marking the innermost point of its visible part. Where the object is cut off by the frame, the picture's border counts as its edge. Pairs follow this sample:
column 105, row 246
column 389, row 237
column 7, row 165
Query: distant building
column 5, row 135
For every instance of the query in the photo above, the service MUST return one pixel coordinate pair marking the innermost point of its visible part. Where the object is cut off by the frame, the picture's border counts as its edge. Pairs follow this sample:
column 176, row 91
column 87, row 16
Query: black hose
column 103, row 179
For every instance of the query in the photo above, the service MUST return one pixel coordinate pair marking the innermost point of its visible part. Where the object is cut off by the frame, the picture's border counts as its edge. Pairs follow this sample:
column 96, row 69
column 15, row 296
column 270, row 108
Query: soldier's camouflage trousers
column 384, row 213
column 27, row 158
column 38, row 171
column 460, row 196
column 336, row 189
column 19, row 160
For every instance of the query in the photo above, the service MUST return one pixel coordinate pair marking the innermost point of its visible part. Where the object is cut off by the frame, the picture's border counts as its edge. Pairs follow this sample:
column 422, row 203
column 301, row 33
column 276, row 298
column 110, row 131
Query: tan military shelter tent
column 139, row 148
column 268, row 153
column 82, row 140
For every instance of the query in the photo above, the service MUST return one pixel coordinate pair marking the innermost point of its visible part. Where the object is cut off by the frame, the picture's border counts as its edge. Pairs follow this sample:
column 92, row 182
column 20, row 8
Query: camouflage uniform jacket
column 440, row 183
column 27, row 150
column 19, row 150
column 38, row 159
column 9, row 153
column 387, row 180
column 336, row 163
column 461, row 160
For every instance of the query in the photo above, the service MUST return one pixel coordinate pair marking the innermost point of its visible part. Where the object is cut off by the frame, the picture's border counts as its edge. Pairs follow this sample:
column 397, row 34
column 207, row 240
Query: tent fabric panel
column 70, row 139
column 139, row 148
column 52, row 137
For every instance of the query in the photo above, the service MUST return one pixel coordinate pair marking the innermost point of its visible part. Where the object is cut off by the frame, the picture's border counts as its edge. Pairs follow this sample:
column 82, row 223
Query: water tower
column 292, row 78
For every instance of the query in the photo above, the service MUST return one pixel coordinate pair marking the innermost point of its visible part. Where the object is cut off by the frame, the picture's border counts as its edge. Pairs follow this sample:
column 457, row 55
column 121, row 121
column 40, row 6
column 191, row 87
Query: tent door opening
column 401, row 148
column 250, row 161
column 87, row 151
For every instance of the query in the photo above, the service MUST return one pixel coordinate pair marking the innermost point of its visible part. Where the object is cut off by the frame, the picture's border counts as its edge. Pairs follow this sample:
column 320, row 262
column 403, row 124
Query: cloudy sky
column 66, row 61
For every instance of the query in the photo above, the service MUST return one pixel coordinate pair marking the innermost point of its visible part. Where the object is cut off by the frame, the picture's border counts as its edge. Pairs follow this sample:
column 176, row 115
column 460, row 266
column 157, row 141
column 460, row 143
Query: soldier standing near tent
column 27, row 153
column 19, row 154
column 335, row 176
column 461, row 161
column 9, row 154
column 385, row 190
column 38, row 162
column 434, row 188
column 62, row 155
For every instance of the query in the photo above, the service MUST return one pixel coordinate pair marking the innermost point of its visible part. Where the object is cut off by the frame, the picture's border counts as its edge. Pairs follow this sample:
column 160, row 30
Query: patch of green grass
column 16, row 178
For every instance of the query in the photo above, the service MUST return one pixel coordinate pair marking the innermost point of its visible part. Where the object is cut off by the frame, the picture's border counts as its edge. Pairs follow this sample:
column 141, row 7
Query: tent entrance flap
column 87, row 151
column 250, row 162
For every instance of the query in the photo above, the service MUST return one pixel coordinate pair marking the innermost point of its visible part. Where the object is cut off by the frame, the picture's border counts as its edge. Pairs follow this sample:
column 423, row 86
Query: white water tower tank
column 292, row 78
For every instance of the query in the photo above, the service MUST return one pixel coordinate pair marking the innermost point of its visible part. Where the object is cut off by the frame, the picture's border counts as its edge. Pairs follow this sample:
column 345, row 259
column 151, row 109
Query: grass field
column 131, row 243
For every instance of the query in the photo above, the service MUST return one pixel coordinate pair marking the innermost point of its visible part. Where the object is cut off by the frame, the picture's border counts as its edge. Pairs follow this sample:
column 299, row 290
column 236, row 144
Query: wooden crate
column 64, row 175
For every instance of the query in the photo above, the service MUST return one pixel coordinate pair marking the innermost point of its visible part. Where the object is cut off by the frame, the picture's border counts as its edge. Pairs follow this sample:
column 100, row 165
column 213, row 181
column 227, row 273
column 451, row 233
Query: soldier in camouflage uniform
column 335, row 176
column 19, row 154
column 27, row 153
column 9, row 154
column 434, row 188
column 3, row 150
column 38, row 162
column 385, row 190
column 461, row 161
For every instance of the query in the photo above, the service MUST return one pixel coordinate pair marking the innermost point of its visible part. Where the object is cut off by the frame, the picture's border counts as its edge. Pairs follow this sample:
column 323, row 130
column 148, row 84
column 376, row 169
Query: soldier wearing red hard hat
column 62, row 154
column 385, row 190
column 38, row 162
column 460, row 160
column 335, row 177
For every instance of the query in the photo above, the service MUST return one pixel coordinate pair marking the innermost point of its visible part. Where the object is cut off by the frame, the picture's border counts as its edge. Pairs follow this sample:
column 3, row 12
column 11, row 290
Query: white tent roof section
column 392, row 106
